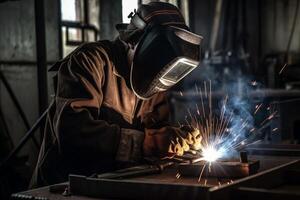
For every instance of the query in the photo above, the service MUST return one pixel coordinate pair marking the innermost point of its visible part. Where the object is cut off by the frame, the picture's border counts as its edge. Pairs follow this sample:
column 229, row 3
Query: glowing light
column 127, row 7
column 210, row 154
column 68, row 10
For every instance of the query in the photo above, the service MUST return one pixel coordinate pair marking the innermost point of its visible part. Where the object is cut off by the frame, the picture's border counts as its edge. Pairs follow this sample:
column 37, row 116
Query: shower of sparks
column 214, row 136
column 282, row 68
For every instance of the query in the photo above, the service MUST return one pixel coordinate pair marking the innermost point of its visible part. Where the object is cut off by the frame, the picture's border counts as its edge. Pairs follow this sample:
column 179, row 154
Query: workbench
column 278, row 178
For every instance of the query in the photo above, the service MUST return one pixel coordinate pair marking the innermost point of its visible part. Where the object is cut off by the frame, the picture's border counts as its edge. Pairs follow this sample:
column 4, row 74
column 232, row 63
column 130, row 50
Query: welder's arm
column 158, row 132
column 79, row 97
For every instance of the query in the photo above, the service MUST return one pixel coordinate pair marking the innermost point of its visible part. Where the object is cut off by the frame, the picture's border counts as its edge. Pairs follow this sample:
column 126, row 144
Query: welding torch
column 155, row 167
column 135, row 171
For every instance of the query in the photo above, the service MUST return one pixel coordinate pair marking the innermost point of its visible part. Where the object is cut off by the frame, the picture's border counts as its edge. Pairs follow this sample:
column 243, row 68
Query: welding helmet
column 166, row 50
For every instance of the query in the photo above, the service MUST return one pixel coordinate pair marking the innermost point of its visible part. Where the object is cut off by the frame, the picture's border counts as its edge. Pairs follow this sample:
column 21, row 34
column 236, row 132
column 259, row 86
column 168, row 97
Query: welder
column 110, row 103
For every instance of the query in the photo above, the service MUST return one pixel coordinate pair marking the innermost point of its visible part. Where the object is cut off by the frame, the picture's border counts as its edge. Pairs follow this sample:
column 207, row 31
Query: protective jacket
column 93, row 102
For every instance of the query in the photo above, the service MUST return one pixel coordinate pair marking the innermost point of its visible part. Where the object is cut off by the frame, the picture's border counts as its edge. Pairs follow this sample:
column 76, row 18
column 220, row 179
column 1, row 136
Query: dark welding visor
column 164, row 55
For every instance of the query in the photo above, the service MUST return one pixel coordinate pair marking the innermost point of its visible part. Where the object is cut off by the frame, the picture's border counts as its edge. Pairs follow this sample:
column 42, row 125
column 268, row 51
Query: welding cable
column 292, row 31
column 25, row 138
column 18, row 106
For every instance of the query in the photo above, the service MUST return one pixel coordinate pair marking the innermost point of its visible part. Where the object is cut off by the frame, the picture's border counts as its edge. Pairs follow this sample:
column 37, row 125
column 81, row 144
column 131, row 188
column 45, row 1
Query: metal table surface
column 266, row 162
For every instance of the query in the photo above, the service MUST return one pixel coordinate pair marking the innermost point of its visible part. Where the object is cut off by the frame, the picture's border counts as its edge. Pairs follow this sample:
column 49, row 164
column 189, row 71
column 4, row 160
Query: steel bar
column 220, row 169
column 39, row 8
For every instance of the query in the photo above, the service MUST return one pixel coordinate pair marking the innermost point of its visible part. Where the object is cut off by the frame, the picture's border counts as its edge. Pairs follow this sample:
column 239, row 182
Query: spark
column 216, row 135
column 271, row 116
column 257, row 107
column 282, row 68
column 199, row 179
column 205, row 90
column 197, row 108
column 254, row 83
column 274, row 129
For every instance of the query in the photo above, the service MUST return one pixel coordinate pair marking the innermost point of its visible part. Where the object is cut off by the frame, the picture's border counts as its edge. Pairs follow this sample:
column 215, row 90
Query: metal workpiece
column 220, row 169
column 275, row 172
column 243, row 157
column 189, row 178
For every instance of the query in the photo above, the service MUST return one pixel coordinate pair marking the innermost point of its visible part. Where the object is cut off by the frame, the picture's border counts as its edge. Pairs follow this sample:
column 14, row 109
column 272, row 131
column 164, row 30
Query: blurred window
column 68, row 10
column 79, row 22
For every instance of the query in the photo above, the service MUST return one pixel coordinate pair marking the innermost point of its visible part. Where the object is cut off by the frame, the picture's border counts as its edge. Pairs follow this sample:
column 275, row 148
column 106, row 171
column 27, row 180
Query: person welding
column 110, row 103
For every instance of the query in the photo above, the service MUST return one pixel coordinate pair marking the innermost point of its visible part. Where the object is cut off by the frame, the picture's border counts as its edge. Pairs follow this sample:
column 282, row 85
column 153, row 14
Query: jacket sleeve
column 78, row 99
column 158, row 116
column 159, row 132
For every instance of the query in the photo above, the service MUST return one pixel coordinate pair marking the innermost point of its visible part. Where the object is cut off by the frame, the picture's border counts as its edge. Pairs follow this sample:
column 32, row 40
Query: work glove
column 130, row 146
column 168, row 140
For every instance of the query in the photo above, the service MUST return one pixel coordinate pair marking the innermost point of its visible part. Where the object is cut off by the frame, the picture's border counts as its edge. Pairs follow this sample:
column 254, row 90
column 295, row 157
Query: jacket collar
column 119, row 56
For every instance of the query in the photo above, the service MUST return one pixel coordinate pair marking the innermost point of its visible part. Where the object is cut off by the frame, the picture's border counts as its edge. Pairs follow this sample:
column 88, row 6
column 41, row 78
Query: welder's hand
column 189, row 140
column 158, row 141
column 194, row 140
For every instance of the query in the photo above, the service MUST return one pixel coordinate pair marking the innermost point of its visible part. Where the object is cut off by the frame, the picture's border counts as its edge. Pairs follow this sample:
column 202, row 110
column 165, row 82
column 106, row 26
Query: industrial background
column 255, row 41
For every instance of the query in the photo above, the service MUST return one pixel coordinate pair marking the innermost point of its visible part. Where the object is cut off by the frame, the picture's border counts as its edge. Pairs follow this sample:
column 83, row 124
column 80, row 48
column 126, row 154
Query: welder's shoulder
column 93, row 53
column 92, row 48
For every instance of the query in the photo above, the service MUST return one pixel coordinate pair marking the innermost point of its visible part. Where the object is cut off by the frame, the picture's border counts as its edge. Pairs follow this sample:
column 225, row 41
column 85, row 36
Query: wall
column 268, row 25
column 277, row 22
column 110, row 15
column 18, row 62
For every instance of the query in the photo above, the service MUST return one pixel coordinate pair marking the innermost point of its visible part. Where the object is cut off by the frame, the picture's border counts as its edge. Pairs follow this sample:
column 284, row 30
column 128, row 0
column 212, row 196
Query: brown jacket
column 93, row 102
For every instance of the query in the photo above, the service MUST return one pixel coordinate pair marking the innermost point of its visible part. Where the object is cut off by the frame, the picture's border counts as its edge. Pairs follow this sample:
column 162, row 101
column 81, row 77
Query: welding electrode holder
column 140, row 170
